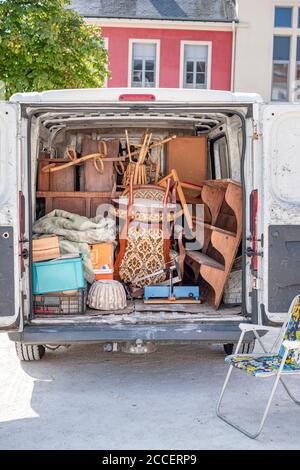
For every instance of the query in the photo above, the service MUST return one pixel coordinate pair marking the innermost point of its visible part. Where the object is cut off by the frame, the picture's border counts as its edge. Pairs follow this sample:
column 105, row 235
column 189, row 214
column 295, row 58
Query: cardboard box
column 45, row 249
column 102, row 255
column 102, row 275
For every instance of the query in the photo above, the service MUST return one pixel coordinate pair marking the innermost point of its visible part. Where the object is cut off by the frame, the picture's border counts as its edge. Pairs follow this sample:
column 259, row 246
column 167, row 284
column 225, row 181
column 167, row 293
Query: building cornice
column 161, row 24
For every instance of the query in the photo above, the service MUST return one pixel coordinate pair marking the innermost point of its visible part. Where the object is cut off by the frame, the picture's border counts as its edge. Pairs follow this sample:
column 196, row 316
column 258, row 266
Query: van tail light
column 137, row 97
column 253, row 226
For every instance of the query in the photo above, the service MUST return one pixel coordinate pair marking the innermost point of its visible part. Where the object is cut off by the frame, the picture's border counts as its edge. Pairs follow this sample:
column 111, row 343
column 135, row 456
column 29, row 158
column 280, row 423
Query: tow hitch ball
column 132, row 347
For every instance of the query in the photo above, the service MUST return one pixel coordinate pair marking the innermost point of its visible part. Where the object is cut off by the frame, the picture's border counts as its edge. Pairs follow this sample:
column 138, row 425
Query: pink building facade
column 171, row 45
column 167, row 44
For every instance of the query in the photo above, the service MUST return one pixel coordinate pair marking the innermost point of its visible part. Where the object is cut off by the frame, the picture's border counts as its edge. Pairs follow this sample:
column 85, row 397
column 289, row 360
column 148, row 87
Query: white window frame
column 209, row 60
column 293, row 33
column 131, row 42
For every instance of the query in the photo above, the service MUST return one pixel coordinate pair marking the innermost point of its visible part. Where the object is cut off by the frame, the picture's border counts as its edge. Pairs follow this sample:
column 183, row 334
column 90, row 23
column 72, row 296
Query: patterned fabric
column 268, row 365
column 260, row 365
column 154, row 216
column 153, row 194
column 144, row 255
column 293, row 334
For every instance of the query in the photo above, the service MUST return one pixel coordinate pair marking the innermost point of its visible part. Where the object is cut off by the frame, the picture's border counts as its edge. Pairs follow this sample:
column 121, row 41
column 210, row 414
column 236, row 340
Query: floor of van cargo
column 138, row 312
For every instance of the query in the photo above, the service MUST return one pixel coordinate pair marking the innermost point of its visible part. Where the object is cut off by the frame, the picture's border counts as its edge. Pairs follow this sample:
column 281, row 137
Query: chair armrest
column 291, row 345
column 251, row 327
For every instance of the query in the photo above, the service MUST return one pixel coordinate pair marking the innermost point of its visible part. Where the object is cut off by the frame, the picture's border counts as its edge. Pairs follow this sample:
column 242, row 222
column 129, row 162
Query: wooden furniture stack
column 222, row 237
column 78, row 189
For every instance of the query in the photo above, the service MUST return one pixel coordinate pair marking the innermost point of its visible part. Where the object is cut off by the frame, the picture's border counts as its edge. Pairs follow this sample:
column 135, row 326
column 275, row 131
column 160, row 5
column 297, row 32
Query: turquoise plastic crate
column 58, row 275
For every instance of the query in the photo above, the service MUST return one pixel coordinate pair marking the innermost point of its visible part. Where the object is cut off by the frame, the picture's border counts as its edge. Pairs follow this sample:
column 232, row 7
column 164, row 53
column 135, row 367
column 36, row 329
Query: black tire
column 29, row 352
column 228, row 348
column 246, row 348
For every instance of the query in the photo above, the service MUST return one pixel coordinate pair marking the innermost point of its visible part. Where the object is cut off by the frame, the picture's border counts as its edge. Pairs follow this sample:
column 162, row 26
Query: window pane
column 283, row 17
column 195, row 52
column 200, row 78
column 201, row 67
column 190, row 66
column 149, row 79
column 144, row 51
column 297, row 84
column 137, row 76
column 189, row 78
column 298, row 49
column 150, row 65
column 137, row 64
column 281, row 48
column 298, row 17
column 280, row 82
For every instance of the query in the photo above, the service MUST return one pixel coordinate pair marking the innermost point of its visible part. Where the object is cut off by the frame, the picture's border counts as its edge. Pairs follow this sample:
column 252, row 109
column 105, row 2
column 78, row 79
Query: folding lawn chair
column 285, row 362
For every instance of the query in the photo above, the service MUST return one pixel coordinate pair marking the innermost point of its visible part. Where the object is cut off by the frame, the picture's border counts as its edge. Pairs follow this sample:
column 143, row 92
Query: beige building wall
column 254, row 45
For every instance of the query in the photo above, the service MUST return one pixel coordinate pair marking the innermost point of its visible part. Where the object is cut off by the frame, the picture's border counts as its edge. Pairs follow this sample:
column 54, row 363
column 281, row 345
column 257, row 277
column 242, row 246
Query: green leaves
column 46, row 45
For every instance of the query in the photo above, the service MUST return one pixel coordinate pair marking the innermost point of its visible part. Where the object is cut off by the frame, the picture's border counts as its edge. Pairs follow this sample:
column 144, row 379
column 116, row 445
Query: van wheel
column 29, row 352
column 246, row 348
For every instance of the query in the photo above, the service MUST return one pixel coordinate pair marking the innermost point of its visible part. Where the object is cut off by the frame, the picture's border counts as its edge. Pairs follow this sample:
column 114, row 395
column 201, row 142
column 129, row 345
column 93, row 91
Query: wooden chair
column 153, row 192
column 145, row 245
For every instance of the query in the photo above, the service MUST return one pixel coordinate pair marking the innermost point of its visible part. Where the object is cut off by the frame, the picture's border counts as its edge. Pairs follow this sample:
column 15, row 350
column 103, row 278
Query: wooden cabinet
column 222, row 237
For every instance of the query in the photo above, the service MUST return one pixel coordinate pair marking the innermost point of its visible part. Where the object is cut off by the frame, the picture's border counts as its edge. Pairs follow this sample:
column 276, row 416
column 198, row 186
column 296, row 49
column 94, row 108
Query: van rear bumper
column 222, row 332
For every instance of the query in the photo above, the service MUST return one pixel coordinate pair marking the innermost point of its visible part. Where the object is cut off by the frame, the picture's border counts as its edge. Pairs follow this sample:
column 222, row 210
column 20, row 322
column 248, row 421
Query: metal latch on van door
column 25, row 253
column 250, row 252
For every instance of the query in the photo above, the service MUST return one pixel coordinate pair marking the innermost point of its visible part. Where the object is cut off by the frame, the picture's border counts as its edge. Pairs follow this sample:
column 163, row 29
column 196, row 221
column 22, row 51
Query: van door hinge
column 250, row 252
column 256, row 135
column 25, row 253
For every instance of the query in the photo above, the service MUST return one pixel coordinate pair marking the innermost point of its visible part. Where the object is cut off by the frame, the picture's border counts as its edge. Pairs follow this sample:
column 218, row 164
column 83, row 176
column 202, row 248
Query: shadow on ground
column 81, row 397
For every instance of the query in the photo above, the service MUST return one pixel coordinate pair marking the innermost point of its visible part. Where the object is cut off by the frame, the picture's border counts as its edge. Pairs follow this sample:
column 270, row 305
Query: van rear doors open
column 278, row 212
column 11, row 203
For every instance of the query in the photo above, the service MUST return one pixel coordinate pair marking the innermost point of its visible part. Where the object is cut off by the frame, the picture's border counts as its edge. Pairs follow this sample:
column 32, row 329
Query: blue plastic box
column 179, row 292
column 58, row 275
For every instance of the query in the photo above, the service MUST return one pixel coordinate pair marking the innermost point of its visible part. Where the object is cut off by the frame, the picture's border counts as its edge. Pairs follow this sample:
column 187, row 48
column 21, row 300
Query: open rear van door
column 279, row 207
column 10, row 213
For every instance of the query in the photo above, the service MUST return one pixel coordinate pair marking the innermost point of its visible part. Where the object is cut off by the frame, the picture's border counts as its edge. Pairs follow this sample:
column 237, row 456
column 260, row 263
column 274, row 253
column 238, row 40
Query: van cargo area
column 162, row 214
column 203, row 146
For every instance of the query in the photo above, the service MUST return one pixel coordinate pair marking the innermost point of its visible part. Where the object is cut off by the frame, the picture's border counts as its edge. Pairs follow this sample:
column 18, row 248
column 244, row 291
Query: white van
column 249, row 141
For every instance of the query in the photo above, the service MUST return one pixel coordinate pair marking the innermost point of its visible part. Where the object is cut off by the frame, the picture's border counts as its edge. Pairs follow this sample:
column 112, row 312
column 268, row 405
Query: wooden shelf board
column 74, row 194
column 216, row 229
column 202, row 258
column 221, row 183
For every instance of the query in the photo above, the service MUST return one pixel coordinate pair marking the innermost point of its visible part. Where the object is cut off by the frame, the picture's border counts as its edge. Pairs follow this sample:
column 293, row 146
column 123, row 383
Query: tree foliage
column 44, row 44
